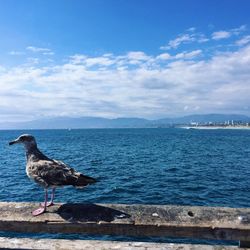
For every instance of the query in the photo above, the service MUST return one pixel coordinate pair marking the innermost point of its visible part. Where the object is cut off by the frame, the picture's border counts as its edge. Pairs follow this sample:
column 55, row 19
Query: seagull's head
column 27, row 140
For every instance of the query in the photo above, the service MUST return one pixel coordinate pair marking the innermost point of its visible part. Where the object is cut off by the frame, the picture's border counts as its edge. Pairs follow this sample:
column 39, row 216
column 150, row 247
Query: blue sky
column 117, row 58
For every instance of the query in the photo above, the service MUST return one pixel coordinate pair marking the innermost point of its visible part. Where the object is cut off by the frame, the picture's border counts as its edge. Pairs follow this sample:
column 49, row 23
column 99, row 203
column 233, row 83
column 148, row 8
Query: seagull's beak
column 14, row 142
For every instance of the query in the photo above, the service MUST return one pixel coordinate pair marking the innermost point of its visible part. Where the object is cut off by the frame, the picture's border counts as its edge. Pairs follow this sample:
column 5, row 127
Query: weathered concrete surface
column 131, row 220
column 54, row 244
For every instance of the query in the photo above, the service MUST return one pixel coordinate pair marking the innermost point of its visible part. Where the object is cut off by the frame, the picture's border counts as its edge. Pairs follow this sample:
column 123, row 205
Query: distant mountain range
column 98, row 122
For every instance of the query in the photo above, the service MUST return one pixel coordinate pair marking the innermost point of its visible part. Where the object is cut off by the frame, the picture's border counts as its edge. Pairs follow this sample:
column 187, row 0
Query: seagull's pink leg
column 41, row 210
column 49, row 204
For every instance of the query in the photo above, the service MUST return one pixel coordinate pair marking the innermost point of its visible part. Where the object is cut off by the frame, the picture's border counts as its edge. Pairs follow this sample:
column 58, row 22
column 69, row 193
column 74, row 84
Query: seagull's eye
column 23, row 138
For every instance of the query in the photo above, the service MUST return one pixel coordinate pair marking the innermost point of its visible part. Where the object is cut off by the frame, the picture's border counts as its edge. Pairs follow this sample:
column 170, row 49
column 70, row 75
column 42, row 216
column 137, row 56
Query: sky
column 123, row 58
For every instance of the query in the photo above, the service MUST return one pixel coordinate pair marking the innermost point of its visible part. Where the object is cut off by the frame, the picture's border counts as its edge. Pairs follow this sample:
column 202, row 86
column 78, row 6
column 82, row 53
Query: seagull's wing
column 57, row 173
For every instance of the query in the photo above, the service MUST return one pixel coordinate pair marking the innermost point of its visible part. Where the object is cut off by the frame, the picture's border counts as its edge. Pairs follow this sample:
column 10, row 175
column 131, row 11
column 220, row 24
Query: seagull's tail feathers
column 83, row 181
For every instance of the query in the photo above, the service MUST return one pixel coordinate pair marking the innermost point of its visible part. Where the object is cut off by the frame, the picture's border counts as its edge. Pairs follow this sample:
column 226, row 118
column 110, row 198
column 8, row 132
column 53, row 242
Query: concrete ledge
column 130, row 220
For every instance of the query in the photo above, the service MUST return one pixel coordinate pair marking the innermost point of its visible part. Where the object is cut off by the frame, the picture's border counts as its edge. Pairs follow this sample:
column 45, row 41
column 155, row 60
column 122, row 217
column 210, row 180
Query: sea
column 136, row 166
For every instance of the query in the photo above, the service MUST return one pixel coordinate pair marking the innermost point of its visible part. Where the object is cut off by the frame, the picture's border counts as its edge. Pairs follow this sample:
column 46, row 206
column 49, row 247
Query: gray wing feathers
column 57, row 173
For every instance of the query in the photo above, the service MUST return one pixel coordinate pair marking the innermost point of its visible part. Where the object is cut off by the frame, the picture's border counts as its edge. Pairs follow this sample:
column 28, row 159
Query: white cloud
column 201, row 38
column 50, row 53
column 77, row 59
column 173, row 44
column 243, row 41
column 136, row 57
column 36, row 49
column 191, row 29
column 108, row 85
column 190, row 37
column 44, row 51
column 92, row 61
column 33, row 60
column 98, row 61
column 182, row 55
column 16, row 53
column 163, row 56
column 188, row 55
column 221, row 35
column 238, row 30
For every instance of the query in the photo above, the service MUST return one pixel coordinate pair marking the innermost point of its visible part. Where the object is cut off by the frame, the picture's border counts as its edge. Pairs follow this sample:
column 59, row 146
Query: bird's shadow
column 78, row 212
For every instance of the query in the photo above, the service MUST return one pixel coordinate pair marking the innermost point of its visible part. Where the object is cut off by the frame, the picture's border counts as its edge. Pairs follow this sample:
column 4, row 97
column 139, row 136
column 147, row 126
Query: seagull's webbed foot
column 49, row 204
column 39, row 211
column 42, row 209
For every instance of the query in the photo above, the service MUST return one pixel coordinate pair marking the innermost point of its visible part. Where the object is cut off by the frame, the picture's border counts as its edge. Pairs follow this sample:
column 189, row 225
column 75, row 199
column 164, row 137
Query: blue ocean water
column 146, row 166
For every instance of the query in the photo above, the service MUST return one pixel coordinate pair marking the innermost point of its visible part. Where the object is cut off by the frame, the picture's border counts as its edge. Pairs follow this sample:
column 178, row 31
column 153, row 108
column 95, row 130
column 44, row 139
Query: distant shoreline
column 172, row 127
column 215, row 127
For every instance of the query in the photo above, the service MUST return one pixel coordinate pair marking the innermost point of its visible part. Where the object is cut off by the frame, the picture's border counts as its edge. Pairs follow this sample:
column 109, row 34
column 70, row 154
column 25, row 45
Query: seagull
column 47, row 172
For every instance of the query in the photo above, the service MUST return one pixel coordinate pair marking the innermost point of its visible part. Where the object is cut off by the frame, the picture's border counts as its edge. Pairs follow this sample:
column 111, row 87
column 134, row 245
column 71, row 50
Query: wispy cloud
column 243, row 41
column 182, row 55
column 239, row 30
column 44, row 51
column 189, row 55
column 221, row 35
column 193, row 36
column 33, row 60
column 16, row 53
column 201, row 38
column 191, row 29
column 137, row 55
column 185, row 38
column 164, row 56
